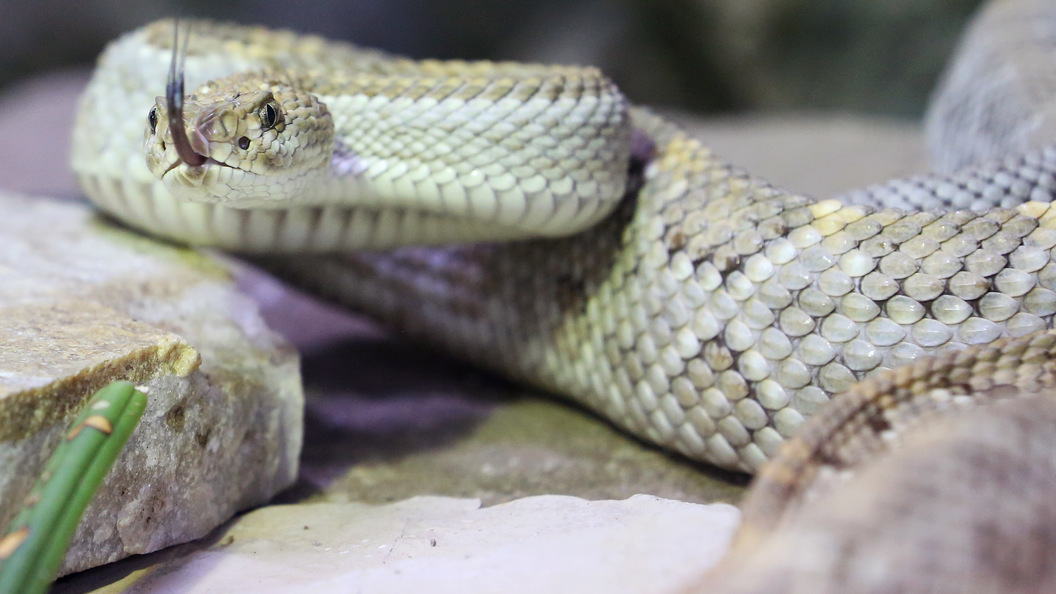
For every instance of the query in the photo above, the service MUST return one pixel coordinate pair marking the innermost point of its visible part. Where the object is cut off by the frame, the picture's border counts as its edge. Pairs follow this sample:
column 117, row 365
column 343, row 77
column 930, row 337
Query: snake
column 530, row 219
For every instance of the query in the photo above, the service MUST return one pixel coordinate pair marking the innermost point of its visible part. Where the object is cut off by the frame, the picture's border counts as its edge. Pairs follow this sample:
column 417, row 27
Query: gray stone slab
column 442, row 545
column 83, row 303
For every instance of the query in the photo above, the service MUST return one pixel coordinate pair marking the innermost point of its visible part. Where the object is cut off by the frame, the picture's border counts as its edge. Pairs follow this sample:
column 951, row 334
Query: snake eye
column 152, row 119
column 269, row 115
column 243, row 143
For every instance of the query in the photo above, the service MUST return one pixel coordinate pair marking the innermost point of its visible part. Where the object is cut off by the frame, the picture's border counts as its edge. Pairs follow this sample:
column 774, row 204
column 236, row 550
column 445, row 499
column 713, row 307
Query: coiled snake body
column 706, row 312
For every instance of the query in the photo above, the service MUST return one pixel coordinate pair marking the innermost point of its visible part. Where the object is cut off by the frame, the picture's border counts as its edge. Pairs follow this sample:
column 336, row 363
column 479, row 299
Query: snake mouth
column 202, row 165
column 182, row 143
column 192, row 152
column 192, row 147
column 203, row 182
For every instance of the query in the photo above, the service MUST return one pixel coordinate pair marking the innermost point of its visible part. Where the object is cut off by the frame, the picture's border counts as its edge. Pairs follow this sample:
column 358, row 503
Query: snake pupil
column 243, row 143
column 152, row 119
column 268, row 115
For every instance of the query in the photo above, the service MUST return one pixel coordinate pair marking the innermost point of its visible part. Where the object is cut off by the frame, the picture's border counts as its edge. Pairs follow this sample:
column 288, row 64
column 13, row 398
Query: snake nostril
column 243, row 143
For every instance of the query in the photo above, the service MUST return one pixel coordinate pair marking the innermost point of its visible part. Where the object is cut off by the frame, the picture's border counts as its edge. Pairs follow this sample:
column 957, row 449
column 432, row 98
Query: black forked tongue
column 174, row 99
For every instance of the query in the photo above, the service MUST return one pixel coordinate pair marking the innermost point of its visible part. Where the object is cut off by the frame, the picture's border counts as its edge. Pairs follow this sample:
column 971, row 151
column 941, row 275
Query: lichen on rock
column 82, row 303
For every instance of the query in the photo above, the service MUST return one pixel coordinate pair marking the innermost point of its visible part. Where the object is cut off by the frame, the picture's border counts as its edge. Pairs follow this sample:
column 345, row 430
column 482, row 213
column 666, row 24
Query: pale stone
column 83, row 303
column 443, row 545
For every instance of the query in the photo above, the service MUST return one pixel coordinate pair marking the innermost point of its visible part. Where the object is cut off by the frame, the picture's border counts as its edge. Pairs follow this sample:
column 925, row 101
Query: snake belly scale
column 707, row 311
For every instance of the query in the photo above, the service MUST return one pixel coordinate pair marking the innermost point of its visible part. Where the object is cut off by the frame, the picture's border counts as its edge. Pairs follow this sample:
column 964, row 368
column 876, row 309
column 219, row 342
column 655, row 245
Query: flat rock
column 83, row 303
column 443, row 545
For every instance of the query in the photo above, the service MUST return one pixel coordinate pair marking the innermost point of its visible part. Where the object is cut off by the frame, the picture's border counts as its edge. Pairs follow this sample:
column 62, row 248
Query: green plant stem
column 36, row 542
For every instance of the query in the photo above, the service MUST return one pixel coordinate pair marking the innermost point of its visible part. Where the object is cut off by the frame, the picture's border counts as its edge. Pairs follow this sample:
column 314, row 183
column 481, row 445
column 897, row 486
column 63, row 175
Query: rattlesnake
column 706, row 312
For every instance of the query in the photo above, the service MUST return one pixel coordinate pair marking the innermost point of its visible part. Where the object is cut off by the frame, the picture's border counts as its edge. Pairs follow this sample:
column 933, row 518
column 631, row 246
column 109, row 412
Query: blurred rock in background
column 877, row 56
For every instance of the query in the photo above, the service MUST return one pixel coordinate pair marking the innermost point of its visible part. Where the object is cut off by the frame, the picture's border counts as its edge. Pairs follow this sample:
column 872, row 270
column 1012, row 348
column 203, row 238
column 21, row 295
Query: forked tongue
column 174, row 100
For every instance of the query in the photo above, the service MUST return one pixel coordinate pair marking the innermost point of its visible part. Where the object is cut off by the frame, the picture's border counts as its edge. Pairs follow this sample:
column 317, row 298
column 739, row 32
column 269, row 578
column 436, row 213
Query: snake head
column 249, row 140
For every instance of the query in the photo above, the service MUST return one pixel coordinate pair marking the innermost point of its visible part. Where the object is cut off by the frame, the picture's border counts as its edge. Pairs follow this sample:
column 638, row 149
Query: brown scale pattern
column 713, row 313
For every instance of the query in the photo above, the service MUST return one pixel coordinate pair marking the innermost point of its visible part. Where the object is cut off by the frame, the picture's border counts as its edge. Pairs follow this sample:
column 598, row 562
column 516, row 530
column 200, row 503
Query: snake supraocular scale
column 709, row 312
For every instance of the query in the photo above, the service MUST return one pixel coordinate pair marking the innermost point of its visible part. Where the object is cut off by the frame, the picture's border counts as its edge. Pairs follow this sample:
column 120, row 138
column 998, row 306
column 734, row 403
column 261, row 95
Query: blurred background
column 714, row 56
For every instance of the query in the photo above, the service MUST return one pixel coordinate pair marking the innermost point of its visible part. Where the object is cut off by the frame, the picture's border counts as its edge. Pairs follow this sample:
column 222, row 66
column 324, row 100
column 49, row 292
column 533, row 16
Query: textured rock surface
column 83, row 303
column 440, row 545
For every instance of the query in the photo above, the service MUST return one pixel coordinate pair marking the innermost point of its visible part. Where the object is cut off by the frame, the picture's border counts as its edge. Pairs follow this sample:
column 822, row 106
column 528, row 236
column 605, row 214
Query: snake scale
column 685, row 300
